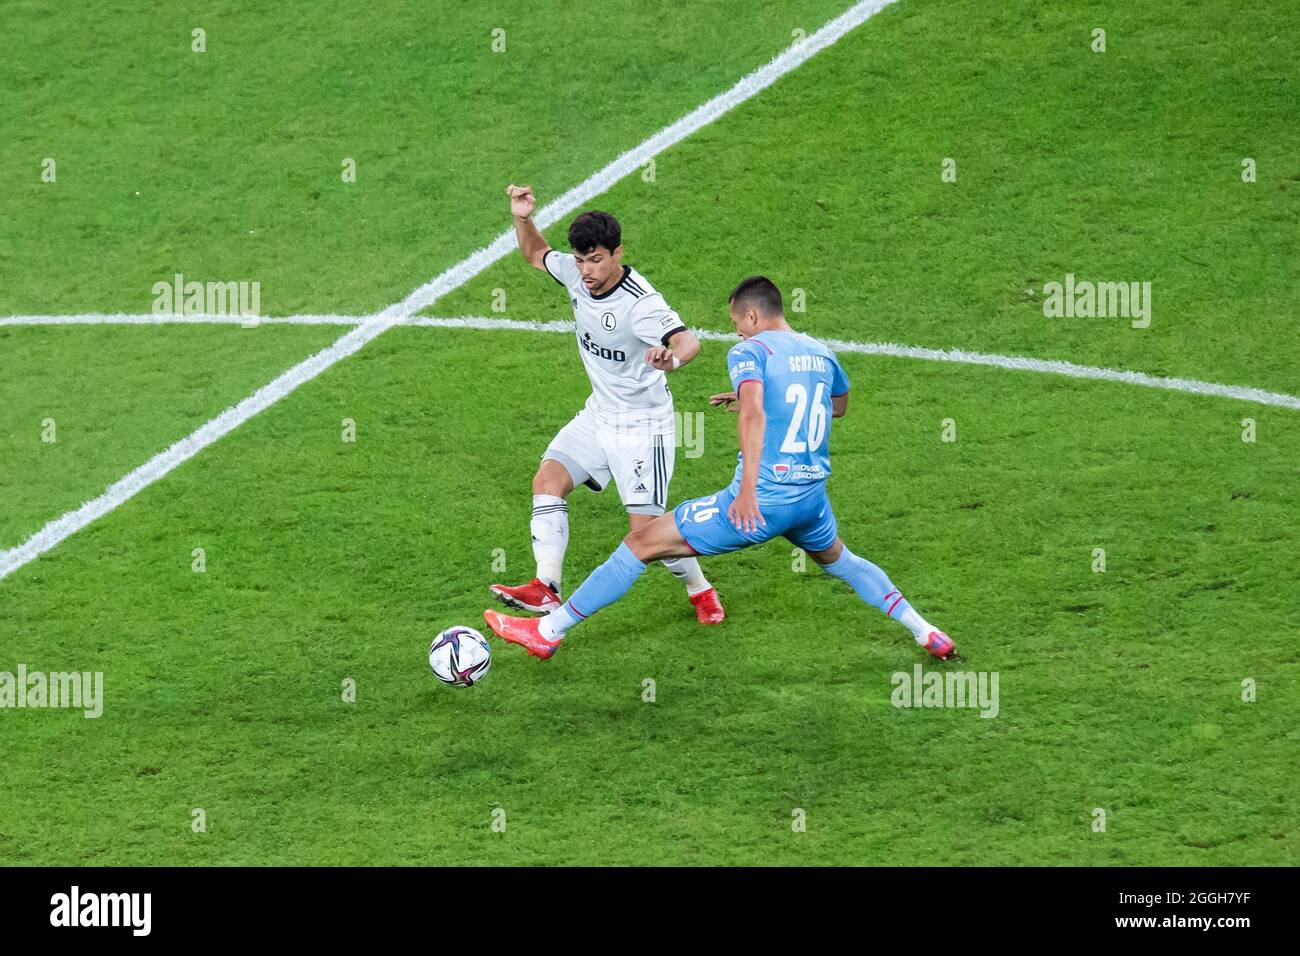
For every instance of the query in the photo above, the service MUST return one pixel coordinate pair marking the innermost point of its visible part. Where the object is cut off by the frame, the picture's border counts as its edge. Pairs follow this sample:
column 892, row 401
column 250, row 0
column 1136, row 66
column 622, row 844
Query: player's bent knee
column 830, row 555
column 638, row 544
column 552, row 478
column 659, row 540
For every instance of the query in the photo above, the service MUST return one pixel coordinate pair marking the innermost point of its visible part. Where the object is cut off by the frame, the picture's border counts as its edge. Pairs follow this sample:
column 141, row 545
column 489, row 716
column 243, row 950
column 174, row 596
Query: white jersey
column 614, row 329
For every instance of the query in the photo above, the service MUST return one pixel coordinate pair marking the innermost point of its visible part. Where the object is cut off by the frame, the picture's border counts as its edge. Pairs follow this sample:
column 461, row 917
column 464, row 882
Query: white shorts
column 638, row 458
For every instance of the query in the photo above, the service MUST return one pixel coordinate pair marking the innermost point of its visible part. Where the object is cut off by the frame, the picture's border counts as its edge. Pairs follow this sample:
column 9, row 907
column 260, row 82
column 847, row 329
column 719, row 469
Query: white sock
column 687, row 570
column 550, row 527
column 554, row 625
column 918, row 625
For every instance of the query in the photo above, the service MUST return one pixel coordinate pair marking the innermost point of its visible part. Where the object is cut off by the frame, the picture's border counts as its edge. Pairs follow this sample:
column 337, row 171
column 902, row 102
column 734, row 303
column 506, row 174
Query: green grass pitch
column 331, row 561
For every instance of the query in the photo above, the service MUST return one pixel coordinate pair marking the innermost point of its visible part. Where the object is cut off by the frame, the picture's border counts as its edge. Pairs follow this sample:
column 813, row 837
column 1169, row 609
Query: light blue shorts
column 806, row 522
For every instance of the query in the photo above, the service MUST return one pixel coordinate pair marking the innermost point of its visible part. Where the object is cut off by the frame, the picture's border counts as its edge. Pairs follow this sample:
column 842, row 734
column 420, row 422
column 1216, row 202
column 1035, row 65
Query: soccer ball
column 460, row 656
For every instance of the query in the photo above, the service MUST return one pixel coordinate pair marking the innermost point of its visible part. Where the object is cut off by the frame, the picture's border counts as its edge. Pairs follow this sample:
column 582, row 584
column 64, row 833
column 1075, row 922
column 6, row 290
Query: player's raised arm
column 532, row 244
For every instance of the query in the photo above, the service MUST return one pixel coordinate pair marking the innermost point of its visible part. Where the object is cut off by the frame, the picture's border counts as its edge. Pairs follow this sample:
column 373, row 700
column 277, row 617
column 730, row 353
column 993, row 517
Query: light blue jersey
column 799, row 376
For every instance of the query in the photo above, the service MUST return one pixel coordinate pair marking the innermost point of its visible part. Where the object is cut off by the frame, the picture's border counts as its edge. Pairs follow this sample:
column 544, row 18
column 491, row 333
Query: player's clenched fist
column 522, row 201
column 661, row 358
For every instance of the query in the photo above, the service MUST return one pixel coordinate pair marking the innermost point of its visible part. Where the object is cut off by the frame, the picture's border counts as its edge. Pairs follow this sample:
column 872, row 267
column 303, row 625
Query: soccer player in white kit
column 629, row 340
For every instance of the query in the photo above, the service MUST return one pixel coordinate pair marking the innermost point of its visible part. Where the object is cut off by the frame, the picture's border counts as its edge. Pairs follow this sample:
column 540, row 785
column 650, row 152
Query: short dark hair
column 760, row 293
column 592, row 229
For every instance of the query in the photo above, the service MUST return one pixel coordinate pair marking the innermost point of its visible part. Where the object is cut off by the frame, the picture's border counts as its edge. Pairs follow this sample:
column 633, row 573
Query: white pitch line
column 121, row 318
column 1017, row 363
column 1244, row 393
column 374, row 326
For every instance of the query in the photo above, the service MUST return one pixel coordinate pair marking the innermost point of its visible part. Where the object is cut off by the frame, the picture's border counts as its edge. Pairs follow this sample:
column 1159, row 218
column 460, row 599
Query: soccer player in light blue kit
column 788, row 387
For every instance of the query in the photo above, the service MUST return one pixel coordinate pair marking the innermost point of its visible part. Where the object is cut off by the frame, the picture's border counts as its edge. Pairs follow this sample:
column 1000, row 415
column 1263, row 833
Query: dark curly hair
column 592, row 229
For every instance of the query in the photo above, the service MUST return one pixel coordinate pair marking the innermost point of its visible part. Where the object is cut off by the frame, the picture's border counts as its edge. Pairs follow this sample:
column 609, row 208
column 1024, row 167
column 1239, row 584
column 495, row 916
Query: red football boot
column 522, row 631
column 708, row 609
column 940, row 645
column 534, row 596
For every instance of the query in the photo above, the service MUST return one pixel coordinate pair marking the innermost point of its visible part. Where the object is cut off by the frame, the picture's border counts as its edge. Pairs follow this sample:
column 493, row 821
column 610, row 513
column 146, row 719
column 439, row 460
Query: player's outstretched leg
column 550, row 531
column 542, row 636
column 874, row 587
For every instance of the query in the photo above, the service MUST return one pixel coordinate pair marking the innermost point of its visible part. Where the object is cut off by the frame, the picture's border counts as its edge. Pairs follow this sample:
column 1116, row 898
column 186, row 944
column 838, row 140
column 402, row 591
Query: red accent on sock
column 890, row 612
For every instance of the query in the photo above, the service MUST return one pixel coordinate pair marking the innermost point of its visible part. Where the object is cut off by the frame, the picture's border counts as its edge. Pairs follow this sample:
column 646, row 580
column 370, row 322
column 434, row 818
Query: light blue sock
column 603, row 587
column 873, row 586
